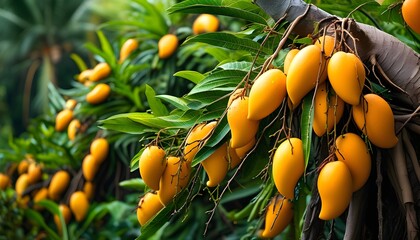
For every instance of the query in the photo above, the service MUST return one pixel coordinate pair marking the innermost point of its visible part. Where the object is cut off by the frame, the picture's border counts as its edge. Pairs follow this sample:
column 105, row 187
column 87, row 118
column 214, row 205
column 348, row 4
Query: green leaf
column 106, row 47
column 133, row 184
column 155, row 104
column 237, row 9
column 306, row 126
column 38, row 219
column 13, row 18
column 180, row 103
column 79, row 62
column 219, row 79
column 299, row 207
column 122, row 123
column 241, row 66
column 228, row 41
column 193, row 76
column 53, row 208
column 118, row 209
column 95, row 212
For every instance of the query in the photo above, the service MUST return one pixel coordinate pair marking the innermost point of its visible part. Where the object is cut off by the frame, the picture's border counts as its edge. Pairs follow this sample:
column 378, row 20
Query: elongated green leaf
column 122, row 123
column 153, row 19
column 238, row 9
column 219, row 79
column 149, row 122
column 133, row 184
column 155, row 104
column 95, row 212
column 228, row 41
column 299, row 207
column 193, row 76
column 38, row 219
column 180, row 103
column 53, row 208
column 106, row 48
column 243, row 66
column 118, row 210
column 306, row 126
column 13, row 18
column 79, row 62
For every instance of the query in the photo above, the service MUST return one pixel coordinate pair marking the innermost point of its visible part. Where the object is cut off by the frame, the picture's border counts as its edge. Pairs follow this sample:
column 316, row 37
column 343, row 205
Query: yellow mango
column 307, row 69
column 242, row 129
column 328, row 110
column 266, row 95
column 335, row 189
column 216, row 166
column 288, row 166
column 352, row 150
column 374, row 117
column 347, row 76
column 152, row 164
column 174, row 179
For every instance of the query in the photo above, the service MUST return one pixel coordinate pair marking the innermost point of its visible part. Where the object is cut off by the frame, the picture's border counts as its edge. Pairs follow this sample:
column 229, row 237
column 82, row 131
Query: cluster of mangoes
column 33, row 185
column 337, row 79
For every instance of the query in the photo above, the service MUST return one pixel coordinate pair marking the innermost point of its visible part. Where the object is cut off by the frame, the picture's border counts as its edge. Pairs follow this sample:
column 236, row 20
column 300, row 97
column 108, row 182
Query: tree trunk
column 397, row 67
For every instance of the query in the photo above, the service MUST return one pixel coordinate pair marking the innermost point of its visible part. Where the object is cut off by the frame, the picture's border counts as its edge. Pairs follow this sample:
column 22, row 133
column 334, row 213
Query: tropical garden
column 199, row 119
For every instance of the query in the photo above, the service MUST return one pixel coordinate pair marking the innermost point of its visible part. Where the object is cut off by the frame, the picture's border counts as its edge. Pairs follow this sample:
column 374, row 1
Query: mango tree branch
column 399, row 63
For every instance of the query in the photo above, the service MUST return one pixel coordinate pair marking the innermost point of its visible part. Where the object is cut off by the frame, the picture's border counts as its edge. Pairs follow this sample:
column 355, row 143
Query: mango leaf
column 203, row 99
column 243, row 65
column 38, row 219
column 133, row 184
column 148, row 122
column 106, row 48
column 79, row 61
column 179, row 103
column 218, row 79
column 237, row 9
column 121, row 123
column 134, row 164
column 118, row 210
column 306, row 126
column 193, row 76
column 53, row 208
column 228, row 41
column 299, row 207
column 95, row 212
column 155, row 104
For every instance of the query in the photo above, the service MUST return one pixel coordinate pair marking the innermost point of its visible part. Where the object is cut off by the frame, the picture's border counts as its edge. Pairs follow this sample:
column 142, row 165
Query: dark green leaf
column 219, row 79
column 193, row 76
column 155, row 104
column 306, row 126
column 229, row 41
column 38, row 219
column 133, row 184
column 106, row 48
column 180, row 103
column 237, row 9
